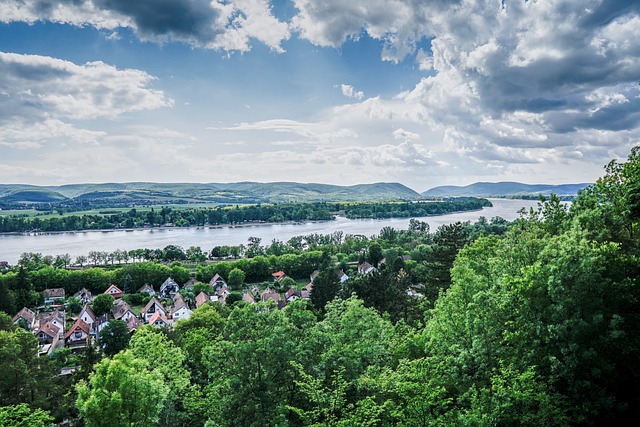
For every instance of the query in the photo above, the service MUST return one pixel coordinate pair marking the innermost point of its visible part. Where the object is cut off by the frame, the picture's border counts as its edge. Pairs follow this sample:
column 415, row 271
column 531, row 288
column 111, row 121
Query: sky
column 421, row 92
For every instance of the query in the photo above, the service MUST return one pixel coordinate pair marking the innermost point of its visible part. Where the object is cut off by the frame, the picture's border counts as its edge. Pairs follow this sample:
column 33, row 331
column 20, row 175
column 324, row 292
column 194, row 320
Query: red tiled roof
column 79, row 324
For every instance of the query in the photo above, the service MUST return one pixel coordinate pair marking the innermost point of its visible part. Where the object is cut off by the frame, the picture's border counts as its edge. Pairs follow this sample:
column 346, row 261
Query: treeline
column 232, row 215
column 414, row 209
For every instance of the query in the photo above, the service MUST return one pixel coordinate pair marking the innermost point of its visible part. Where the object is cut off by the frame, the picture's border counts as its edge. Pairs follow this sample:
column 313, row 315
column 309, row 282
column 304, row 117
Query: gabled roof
column 120, row 308
column 79, row 324
column 273, row 296
column 178, row 302
column 278, row 275
column 48, row 328
column 82, row 292
column 133, row 323
column 151, row 303
column 53, row 293
column 190, row 283
column 146, row 288
column 217, row 279
column 113, row 290
column 26, row 314
column 158, row 316
column 201, row 298
column 88, row 310
column 54, row 315
column 169, row 282
column 248, row 298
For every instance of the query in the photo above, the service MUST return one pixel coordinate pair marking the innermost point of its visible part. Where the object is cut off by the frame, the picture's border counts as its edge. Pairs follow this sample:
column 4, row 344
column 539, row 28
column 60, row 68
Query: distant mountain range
column 504, row 189
column 150, row 193
column 140, row 193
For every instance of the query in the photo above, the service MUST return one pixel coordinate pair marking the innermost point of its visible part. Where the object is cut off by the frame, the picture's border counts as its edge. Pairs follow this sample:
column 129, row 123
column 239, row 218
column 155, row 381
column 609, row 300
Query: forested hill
column 239, row 192
column 504, row 189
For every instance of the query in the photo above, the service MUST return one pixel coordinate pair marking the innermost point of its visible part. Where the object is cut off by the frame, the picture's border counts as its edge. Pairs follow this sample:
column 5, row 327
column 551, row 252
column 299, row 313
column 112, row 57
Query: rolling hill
column 140, row 193
column 504, row 189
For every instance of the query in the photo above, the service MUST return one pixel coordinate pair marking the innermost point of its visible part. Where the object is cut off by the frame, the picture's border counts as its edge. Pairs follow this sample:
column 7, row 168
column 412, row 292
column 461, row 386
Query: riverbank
column 81, row 243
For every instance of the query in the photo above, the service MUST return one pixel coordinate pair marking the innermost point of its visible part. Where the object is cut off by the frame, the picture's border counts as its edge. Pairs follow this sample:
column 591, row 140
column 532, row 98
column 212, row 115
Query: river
column 81, row 243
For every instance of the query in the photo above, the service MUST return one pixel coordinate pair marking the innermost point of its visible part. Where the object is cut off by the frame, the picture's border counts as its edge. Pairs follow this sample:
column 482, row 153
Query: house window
column 77, row 334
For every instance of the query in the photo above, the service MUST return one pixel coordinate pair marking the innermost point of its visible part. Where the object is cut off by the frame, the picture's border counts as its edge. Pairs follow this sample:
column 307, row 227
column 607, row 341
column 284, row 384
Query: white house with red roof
column 114, row 291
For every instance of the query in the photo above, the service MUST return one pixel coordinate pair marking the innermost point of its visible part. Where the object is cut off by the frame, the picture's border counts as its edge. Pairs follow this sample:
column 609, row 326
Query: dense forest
column 236, row 215
column 534, row 323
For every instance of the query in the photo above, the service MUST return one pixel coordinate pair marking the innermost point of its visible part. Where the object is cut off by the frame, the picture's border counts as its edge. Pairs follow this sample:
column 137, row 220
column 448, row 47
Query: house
column 269, row 295
column 122, row 311
column 278, row 276
column 306, row 292
column 180, row 309
column 169, row 288
column 78, row 335
column 133, row 324
column 55, row 317
column 4, row 266
column 100, row 323
column 342, row 277
column 26, row 317
column 217, row 282
column 221, row 294
column 87, row 315
column 114, row 291
column 365, row 268
column 190, row 284
column 159, row 319
column 53, row 296
column 292, row 295
column 147, row 288
column 48, row 333
column 201, row 298
column 84, row 295
column 248, row 298
column 154, row 306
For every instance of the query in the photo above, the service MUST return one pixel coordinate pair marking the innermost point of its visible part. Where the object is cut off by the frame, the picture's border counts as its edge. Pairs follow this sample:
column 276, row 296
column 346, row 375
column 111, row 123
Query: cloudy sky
column 422, row 92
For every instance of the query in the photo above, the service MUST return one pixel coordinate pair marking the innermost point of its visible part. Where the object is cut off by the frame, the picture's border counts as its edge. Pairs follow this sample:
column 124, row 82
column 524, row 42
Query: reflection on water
column 81, row 243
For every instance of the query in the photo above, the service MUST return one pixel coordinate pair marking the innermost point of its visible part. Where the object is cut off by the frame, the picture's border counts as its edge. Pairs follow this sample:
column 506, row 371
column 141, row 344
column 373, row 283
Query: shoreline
column 218, row 226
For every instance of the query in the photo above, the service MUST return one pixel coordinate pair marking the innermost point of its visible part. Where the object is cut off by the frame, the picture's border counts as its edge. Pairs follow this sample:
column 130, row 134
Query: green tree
column 121, row 392
column 114, row 337
column 236, row 278
column 74, row 305
column 326, row 287
column 128, row 286
column 22, row 416
column 102, row 304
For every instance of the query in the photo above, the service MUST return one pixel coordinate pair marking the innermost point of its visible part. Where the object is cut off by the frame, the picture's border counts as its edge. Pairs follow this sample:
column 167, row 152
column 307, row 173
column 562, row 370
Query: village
column 56, row 327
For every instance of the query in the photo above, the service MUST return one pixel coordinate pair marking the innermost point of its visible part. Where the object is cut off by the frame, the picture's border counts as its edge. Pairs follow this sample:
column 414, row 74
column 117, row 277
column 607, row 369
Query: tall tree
column 121, row 392
column 114, row 337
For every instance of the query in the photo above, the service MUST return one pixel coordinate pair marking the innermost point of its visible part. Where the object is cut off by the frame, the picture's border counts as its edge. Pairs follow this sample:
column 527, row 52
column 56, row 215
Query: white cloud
column 218, row 24
column 350, row 92
column 41, row 96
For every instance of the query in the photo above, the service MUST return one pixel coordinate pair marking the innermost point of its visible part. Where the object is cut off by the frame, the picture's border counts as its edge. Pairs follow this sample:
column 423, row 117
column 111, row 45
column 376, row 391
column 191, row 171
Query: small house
column 78, row 335
column 169, row 288
column 159, row 319
column 84, row 295
column 27, row 317
column 148, row 289
column 278, row 276
column 87, row 315
column 153, row 306
column 114, row 291
column 201, row 298
column 53, row 296
column 122, row 311
column 217, row 282
column 48, row 333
